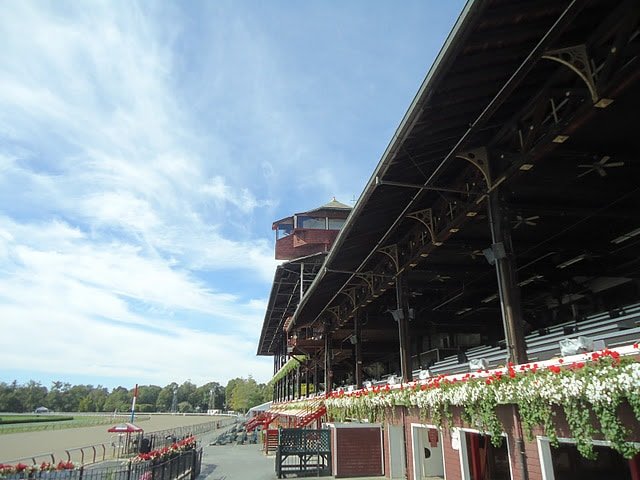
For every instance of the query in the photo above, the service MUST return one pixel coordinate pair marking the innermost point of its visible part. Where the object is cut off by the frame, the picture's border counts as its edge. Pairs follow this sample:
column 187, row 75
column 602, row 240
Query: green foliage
column 242, row 394
column 590, row 393
column 64, row 397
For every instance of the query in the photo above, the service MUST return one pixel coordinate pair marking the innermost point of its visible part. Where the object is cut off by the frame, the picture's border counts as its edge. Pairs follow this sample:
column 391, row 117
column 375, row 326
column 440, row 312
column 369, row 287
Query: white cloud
column 111, row 217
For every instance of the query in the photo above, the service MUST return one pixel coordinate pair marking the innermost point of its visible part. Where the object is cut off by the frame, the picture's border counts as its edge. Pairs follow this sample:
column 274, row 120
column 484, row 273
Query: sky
column 145, row 150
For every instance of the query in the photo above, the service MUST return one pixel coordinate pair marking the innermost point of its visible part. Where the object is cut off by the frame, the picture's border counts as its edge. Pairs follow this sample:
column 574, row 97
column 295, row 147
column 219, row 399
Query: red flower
column 554, row 368
column 64, row 466
column 560, row 360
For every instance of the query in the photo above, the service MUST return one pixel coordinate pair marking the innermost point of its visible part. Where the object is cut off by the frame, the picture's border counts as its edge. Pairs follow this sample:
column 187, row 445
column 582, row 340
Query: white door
column 430, row 453
column 396, row 451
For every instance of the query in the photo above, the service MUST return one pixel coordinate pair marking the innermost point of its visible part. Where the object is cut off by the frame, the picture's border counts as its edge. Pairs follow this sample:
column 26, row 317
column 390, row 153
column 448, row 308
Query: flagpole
column 133, row 403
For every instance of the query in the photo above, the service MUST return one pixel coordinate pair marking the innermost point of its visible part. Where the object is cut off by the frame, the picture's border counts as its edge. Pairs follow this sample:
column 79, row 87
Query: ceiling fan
column 522, row 220
column 475, row 254
column 599, row 166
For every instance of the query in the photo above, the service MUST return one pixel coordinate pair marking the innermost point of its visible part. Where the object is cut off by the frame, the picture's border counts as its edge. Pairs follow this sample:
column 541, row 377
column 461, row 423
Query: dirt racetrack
column 18, row 445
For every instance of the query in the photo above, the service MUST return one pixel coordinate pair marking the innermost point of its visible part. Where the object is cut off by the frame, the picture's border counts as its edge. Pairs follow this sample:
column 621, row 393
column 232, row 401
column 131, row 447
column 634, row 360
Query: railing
column 185, row 465
column 100, row 452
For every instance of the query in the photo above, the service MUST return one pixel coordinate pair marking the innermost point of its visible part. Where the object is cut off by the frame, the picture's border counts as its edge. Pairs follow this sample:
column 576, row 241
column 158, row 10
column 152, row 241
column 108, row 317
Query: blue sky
column 146, row 148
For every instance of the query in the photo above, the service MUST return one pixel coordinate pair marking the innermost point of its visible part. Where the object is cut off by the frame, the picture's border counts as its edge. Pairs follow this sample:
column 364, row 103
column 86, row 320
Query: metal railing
column 185, row 465
column 100, row 452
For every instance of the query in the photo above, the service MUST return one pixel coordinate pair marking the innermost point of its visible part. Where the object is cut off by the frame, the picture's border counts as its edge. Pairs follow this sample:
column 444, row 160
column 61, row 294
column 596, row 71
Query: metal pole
column 403, row 332
column 358, row 351
column 327, row 360
column 507, row 279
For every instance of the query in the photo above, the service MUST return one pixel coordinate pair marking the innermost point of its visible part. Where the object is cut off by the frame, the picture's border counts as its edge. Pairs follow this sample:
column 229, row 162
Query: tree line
column 239, row 394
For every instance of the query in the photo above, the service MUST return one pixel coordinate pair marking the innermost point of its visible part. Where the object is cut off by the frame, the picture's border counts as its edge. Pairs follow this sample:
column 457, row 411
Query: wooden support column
column 316, row 377
column 298, row 383
column 358, row 351
column 401, row 317
column 505, row 263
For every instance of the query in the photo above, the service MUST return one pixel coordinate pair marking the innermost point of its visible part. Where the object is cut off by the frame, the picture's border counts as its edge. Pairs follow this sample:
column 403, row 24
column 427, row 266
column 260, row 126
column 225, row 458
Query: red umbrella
column 125, row 428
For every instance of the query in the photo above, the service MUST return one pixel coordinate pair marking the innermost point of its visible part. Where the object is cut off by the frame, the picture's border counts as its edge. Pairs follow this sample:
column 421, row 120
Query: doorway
column 428, row 454
column 484, row 461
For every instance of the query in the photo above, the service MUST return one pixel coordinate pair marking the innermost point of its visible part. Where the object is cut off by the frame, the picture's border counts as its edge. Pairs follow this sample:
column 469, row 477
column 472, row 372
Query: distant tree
column 11, row 398
column 187, row 392
column 119, row 399
column 165, row 397
column 55, row 398
column 34, row 395
column 185, row 407
column 99, row 397
column 244, row 394
column 148, row 394
column 209, row 396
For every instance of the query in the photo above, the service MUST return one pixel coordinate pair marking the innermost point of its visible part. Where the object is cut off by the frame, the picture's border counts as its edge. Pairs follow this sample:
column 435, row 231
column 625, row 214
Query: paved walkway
column 242, row 462
column 236, row 462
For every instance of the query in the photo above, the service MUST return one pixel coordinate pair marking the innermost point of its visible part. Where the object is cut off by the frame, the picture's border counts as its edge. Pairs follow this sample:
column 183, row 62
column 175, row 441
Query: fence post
column 129, row 470
column 81, row 472
column 279, row 461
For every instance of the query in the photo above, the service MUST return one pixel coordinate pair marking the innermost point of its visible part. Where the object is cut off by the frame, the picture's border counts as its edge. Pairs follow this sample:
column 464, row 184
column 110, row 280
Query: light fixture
column 413, row 264
column 472, row 214
column 424, row 255
column 526, row 167
column 603, row 103
column 490, row 298
column 454, row 230
column 463, row 310
column 560, row 138
column 390, row 283
column 571, row 261
column 437, row 244
column 626, row 236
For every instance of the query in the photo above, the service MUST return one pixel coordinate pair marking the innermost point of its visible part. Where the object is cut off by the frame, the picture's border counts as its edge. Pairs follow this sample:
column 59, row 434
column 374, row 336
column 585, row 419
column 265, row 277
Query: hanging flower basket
column 599, row 386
